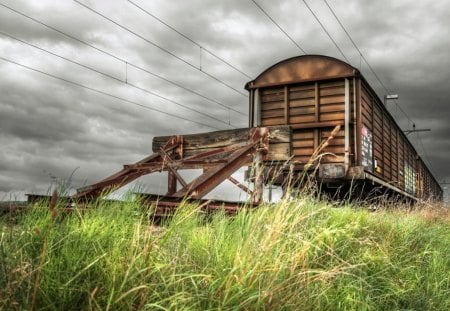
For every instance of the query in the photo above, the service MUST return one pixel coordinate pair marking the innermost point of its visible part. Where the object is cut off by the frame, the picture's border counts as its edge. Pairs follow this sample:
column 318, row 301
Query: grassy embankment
column 298, row 255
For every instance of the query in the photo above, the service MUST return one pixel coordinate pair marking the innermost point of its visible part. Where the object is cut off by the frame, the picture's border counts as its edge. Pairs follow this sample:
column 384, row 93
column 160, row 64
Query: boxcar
column 314, row 94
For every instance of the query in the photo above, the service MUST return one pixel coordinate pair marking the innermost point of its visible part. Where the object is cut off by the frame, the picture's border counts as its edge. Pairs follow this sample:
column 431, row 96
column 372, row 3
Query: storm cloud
column 51, row 129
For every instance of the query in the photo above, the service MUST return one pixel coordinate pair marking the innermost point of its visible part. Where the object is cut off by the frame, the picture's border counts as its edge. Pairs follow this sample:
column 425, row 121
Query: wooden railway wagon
column 310, row 115
column 313, row 94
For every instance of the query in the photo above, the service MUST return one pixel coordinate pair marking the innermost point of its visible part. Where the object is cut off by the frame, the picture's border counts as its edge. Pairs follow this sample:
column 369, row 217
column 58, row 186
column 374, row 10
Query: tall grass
column 296, row 255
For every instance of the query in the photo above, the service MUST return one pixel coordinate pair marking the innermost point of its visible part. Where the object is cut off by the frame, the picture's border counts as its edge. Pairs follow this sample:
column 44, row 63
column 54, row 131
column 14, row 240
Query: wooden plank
column 224, row 138
column 272, row 121
column 332, row 108
column 312, row 125
column 337, row 142
column 332, row 83
column 301, row 111
column 332, row 91
column 366, row 122
column 301, row 102
column 332, row 100
column 335, row 149
column 302, row 151
column 286, row 105
column 302, row 143
column 302, row 159
column 302, row 135
column 279, row 152
column 316, row 102
column 331, row 116
column 302, row 87
column 332, row 159
column 279, row 142
column 274, row 90
column 271, row 106
column 272, row 113
column 272, row 98
column 307, row 118
column 327, row 133
column 302, row 94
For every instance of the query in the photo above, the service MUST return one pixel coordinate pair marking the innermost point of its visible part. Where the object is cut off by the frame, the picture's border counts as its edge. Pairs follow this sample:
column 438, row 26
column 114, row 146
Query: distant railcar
column 313, row 94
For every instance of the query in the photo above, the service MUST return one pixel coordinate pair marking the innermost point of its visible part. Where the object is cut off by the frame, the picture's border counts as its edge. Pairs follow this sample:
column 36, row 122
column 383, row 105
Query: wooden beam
column 313, row 125
column 279, row 142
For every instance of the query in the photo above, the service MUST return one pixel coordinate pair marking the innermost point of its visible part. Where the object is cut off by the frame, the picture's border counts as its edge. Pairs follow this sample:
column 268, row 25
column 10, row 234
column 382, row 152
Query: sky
column 87, row 93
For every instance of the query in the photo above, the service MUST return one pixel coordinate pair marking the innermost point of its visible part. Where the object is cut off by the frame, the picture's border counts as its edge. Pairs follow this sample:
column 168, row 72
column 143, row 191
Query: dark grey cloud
column 50, row 128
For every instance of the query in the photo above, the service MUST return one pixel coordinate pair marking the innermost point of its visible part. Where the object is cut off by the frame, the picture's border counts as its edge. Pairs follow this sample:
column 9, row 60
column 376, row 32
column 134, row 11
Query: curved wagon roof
column 302, row 69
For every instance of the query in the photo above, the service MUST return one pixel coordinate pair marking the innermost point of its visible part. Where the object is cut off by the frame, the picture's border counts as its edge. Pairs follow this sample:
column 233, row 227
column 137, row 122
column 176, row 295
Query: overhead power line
column 125, row 61
column 115, row 78
column 326, row 31
column 279, row 27
column 375, row 74
column 189, row 39
column 105, row 93
column 426, row 154
column 159, row 47
column 365, row 60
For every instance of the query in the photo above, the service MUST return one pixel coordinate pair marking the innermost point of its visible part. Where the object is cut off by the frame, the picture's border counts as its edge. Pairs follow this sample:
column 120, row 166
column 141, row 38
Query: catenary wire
column 278, row 26
column 115, row 78
column 376, row 76
column 325, row 30
column 159, row 47
column 128, row 63
column 365, row 60
column 105, row 93
column 189, row 39
column 425, row 153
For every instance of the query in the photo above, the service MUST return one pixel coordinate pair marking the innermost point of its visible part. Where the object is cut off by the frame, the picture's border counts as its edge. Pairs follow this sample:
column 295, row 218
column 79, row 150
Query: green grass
column 297, row 255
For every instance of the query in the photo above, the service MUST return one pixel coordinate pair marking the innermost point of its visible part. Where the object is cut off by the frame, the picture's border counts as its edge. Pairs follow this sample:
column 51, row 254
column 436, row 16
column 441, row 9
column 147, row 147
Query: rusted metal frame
column 172, row 175
column 171, row 183
column 95, row 190
column 173, row 143
column 167, row 208
column 126, row 175
column 177, row 175
column 240, row 185
column 167, row 160
column 213, row 177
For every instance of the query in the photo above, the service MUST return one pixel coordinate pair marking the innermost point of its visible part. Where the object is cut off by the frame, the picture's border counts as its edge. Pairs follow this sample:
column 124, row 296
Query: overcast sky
column 52, row 129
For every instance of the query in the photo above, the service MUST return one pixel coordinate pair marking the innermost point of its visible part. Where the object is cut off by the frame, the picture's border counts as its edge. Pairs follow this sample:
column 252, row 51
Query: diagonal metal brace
column 128, row 173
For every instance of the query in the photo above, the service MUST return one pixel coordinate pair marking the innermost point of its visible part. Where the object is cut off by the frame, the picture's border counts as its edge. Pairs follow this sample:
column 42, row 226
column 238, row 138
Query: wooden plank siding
column 308, row 93
column 308, row 103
